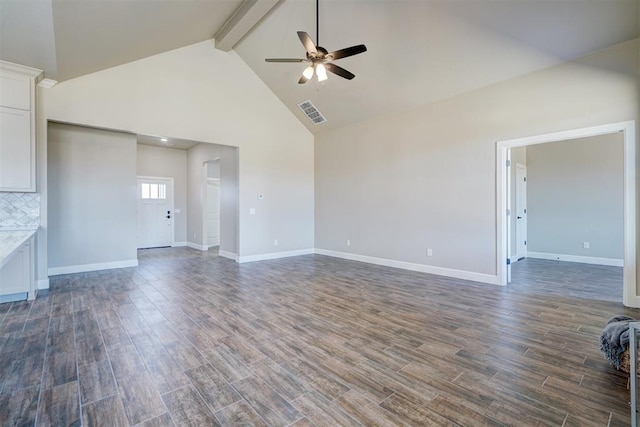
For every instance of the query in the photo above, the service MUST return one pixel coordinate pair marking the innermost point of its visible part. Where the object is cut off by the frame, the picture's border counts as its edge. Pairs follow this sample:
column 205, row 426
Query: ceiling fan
column 321, row 60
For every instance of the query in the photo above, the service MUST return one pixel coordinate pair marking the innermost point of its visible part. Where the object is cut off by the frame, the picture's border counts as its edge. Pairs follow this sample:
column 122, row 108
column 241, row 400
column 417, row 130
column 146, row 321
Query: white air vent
column 312, row 112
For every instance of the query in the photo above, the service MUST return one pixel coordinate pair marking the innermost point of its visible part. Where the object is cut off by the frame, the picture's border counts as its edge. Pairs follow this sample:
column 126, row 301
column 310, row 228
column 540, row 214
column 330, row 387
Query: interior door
column 155, row 215
column 521, row 211
column 213, row 214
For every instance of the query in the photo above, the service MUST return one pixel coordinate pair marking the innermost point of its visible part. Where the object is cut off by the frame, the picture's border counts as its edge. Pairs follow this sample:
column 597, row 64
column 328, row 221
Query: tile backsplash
column 19, row 209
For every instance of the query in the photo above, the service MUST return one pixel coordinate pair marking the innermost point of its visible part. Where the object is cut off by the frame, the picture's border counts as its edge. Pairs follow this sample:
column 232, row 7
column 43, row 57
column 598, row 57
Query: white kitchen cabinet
column 17, row 273
column 16, row 152
column 17, row 127
column 15, row 90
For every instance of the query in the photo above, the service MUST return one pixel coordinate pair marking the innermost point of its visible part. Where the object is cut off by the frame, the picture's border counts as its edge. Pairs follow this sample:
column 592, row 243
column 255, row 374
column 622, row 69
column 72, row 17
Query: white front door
column 521, row 211
column 213, row 214
column 155, row 212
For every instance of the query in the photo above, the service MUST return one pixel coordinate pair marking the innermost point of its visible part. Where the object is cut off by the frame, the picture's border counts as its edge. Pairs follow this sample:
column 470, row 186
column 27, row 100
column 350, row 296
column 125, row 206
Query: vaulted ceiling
column 418, row 51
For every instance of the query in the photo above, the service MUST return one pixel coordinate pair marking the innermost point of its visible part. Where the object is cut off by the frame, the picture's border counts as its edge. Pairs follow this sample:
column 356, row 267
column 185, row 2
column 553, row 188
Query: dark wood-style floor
column 188, row 338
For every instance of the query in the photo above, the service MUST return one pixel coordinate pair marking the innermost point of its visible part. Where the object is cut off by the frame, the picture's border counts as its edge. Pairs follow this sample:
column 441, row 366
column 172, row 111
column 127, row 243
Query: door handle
column 519, row 217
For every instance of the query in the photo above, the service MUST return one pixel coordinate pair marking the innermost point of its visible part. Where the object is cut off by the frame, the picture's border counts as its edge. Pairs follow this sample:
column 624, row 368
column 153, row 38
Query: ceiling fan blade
column 339, row 71
column 348, row 51
column 307, row 42
column 286, row 60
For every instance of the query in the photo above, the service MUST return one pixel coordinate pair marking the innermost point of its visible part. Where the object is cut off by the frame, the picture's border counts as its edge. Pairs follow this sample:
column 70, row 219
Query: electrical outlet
column 252, row 211
column 585, row 245
column 275, row 242
column 348, row 242
column 429, row 252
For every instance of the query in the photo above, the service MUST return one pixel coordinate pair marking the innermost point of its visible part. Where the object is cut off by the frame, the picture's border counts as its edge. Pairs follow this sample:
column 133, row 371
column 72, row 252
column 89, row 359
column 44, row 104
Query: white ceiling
column 94, row 35
column 419, row 51
column 157, row 141
column 70, row 38
column 424, row 51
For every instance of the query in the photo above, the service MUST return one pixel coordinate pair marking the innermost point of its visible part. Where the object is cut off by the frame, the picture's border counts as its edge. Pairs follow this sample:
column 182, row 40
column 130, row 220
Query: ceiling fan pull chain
column 317, row 24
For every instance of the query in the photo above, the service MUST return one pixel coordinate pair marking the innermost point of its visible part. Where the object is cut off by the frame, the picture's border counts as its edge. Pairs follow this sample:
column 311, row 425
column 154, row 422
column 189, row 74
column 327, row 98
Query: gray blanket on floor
column 614, row 339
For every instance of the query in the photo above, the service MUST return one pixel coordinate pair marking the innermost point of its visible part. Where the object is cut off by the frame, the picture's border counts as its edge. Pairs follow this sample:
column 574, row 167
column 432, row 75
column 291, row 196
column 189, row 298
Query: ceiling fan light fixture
column 321, row 72
column 319, row 56
column 308, row 72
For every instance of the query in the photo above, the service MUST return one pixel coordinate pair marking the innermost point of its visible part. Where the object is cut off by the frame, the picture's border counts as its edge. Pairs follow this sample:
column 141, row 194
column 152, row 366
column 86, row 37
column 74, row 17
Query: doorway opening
column 194, row 166
column 627, row 129
column 211, row 204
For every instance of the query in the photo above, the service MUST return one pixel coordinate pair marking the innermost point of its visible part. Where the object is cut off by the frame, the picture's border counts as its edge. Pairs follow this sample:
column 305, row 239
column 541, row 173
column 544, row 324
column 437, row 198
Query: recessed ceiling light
column 163, row 139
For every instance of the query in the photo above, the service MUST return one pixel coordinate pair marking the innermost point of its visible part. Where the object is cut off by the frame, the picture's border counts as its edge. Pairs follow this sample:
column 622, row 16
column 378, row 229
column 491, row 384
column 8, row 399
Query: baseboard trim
column 229, row 255
column 178, row 244
column 275, row 255
column 20, row 296
column 42, row 283
column 70, row 269
column 633, row 302
column 576, row 258
column 440, row 271
column 197, row 246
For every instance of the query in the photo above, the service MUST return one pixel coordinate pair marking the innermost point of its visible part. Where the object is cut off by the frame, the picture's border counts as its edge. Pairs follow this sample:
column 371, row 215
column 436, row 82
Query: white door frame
column 629, row 296
column 173, row 211
column 509, row 231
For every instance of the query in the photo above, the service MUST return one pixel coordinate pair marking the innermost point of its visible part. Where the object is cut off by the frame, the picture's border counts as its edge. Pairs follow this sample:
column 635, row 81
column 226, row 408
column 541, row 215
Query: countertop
column 11, row 240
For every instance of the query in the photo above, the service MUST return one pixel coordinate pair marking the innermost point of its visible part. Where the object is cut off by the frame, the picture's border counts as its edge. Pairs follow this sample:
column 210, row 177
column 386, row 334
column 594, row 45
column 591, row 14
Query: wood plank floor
column 599, row 282
column 189, row 338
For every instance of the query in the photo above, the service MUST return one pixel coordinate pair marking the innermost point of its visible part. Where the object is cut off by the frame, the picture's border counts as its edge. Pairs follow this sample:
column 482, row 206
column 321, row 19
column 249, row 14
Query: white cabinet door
column 17, row 156
column 15, row 91
column 16, row 276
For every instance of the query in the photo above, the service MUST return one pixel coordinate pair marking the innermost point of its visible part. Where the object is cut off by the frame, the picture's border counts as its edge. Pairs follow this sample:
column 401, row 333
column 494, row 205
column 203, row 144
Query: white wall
column 575, row 195
column 168, row 163
column 202, row 94
column 92, row 198
column 425, row 178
